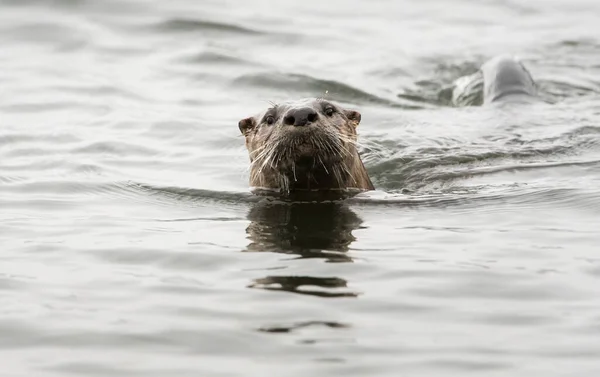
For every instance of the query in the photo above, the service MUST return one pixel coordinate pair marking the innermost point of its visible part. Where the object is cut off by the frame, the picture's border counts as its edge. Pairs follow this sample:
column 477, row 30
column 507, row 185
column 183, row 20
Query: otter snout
column 300, row 117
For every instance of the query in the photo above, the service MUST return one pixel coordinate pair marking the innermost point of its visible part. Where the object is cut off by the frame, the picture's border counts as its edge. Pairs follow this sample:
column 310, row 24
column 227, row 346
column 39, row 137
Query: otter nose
column 300, row 117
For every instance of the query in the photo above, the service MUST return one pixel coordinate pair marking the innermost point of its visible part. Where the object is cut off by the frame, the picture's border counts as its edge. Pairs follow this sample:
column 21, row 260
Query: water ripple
column 203, row 26
column 309, row 86
column 116, row 148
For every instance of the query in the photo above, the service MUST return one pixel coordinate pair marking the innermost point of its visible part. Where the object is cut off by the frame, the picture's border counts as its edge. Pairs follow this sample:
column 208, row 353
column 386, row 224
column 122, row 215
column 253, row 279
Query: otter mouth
column 303, row 149
column 307, row 152
column 308, row 164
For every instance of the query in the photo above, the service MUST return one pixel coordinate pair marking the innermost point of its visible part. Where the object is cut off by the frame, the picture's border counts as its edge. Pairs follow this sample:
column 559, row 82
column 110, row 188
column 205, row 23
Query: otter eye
column 329, row 111
column 270, row 119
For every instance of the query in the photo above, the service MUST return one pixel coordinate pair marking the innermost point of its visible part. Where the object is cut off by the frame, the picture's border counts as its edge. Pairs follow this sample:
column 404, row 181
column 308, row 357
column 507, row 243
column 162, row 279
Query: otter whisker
column 336, row 175
column 261, row 152
column 345, row 150
column 350, row 175
column 284, row 183
column 324, row 167
column 257, row 162
column 332, row 143
column 268, row 160
column 348, row 140
column 294, row 171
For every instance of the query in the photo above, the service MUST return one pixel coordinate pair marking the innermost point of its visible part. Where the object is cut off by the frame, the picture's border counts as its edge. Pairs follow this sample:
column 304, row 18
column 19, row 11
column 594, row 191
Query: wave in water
column 307, row 86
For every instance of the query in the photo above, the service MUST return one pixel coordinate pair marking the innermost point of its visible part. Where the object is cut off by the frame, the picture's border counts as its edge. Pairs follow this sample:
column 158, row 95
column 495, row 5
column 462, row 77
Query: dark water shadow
column 326, row 287
column 303, row 230
column 308, row 230
column 301, row 325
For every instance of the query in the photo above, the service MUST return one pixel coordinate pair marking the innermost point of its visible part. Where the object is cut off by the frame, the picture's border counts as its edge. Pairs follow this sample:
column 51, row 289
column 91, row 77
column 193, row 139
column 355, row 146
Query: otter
column 305, row 150
column 506, row 78
column 500, row 80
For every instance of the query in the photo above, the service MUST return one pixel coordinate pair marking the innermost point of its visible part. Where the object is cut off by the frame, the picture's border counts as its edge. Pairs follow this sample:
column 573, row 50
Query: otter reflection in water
column 308, row 230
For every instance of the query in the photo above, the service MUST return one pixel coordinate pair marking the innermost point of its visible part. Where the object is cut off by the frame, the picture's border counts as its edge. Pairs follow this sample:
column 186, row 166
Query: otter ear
column 354, row 116
column 246, row 125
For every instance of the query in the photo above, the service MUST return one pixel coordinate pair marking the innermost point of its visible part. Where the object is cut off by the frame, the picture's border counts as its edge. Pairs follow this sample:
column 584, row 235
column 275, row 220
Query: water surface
column 132, row 247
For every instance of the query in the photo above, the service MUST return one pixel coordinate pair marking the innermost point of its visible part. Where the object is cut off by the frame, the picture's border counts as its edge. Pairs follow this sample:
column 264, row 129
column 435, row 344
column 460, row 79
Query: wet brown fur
column 319, row 157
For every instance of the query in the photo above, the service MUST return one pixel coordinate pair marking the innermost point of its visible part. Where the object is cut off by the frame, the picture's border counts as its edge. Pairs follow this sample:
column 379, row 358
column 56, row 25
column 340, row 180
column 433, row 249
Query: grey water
column 131, row 245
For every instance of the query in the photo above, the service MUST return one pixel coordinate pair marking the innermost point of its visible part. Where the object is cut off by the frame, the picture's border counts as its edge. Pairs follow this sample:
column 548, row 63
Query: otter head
column 305, row 146
column 506, row 76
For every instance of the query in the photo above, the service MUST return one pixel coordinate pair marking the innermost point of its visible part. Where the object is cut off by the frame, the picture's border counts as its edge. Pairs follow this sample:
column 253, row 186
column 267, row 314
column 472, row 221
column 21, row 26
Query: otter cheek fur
column 305, row 146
